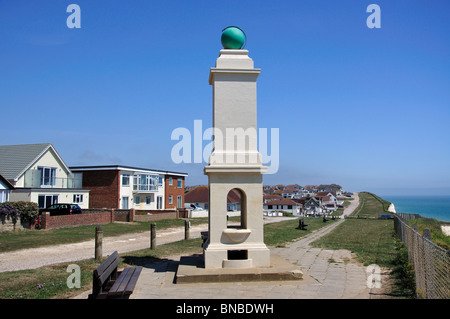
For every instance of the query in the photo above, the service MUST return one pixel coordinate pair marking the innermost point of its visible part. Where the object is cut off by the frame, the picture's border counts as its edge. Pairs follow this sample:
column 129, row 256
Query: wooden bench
column 108, row 283
column 301, row 224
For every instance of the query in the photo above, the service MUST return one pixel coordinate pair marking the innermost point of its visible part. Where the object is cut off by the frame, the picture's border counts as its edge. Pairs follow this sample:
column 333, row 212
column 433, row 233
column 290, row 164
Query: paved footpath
column 326, row 274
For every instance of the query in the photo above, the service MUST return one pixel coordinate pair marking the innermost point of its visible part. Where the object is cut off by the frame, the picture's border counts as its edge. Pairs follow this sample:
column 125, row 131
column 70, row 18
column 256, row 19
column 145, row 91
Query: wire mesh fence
column 431, row 262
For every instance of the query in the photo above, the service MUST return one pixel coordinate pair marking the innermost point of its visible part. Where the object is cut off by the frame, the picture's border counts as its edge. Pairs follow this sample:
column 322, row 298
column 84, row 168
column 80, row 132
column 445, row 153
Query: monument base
column 244, row 255
column 192, row 270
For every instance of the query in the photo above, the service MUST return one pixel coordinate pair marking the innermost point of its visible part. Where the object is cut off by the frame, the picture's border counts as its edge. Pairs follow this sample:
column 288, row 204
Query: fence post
column 98, row 242
column 153, row 236
column 186, row 229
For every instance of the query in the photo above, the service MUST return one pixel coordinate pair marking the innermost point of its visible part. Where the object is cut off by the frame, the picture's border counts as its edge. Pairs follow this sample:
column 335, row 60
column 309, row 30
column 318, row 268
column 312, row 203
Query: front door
column 179, row 202
column 125, row 202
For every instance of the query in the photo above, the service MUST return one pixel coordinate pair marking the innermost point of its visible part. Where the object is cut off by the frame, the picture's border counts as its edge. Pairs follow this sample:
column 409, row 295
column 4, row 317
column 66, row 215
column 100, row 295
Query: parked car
column 62, row 209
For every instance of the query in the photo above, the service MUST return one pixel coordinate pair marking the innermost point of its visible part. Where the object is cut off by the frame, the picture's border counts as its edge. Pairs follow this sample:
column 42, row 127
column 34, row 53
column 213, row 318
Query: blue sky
column 365, row 108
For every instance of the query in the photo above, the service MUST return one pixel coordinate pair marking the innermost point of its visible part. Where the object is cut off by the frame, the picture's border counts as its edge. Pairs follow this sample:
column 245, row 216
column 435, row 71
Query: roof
column 322, row 193
column 16, row 159
column 122, row 167
column 5, row 182
column 200, row 194
column 285, row 201
column 272, row 197
column 323, row 198
column 310, row 201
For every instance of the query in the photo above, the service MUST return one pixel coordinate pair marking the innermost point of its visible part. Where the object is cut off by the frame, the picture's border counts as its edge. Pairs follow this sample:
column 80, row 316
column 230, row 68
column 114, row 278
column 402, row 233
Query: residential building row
column 310, row 200
column 37, row 173
column 294, row 199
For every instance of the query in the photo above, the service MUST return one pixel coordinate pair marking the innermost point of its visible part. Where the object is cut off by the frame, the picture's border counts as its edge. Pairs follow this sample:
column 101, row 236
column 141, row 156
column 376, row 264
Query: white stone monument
column 235, row 163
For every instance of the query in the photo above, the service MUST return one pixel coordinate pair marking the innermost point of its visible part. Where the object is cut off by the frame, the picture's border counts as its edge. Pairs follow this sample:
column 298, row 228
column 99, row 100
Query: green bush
column 28, row 210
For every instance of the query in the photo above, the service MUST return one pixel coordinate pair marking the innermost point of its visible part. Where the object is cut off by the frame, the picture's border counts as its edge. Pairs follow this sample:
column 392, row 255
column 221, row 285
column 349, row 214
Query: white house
column 285, row 205
column 38, row 174
column 5, row 189
column 312, row 206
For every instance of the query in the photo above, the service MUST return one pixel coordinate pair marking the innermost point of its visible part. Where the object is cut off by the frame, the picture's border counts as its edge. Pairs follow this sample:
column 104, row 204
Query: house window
column 160, row 180
column 126, row 180
column 137, row 200
column 47, row 175
column 45, row 201
column 269, row 206
column 170, row 199
column 289, row 206
column 3, row 196
column 148, row 200
column 180, row 183
column 77, row 198
column 159, row 202
column 170, row 181
column 179, row 201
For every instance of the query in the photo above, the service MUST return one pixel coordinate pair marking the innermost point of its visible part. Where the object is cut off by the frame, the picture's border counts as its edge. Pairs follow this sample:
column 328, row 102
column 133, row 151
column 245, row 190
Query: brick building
column 124, row 187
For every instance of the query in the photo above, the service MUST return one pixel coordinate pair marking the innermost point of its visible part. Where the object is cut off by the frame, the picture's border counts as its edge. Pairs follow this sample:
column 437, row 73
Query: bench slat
column 104, row 265
column 107, row 273
column 132, row 283
column 121, row 282
column 126, row 282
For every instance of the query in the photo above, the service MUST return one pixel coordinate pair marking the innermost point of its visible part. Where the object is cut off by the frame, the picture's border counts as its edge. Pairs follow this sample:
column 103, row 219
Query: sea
column 437, row 207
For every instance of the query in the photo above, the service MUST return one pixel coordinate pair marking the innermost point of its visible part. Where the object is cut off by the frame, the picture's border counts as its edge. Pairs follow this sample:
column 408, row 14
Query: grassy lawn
column 50, row 281
column 279, row 234
column 371, row 240
column 370, row 205
column 437, row 236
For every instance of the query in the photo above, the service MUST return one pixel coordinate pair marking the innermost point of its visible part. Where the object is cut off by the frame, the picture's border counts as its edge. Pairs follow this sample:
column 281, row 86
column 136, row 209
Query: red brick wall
column 48, row 221
column 174, row 191
column 104, row 188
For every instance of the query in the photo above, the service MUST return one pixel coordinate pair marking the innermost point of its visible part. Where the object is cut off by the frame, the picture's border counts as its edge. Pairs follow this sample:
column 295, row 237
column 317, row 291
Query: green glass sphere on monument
column 233, row 38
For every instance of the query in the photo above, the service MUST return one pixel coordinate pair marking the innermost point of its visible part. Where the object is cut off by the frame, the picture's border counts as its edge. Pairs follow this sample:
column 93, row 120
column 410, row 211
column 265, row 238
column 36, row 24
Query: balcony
column 34, row 179
column 143, row 188
column 144, row 183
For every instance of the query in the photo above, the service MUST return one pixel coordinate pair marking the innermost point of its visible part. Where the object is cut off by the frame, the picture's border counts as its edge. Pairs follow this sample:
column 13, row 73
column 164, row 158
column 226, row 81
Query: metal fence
column 431, row 262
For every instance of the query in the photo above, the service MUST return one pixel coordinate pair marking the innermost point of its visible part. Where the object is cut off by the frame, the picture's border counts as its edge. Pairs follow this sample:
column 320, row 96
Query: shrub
column 8, row 211
column 28, row 211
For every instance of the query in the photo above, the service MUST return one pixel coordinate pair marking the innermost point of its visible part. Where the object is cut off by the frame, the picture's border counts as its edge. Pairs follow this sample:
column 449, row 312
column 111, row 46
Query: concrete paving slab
column 191, row 270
